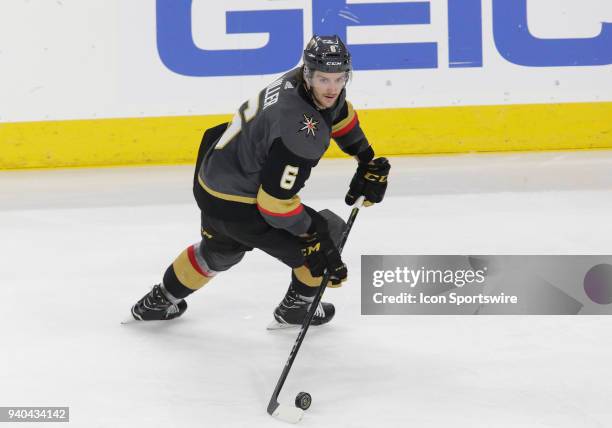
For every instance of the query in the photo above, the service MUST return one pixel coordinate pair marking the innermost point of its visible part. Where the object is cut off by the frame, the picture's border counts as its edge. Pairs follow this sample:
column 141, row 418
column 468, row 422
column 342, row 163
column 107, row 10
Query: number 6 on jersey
column 249, row 109
column 289, row 176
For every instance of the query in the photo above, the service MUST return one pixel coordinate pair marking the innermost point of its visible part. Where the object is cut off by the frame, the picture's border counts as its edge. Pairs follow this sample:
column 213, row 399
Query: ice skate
column 292, row 311
column 157, row 305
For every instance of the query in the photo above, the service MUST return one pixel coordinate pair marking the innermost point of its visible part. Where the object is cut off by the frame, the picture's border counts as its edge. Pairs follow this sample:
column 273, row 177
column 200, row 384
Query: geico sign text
column 511, row 34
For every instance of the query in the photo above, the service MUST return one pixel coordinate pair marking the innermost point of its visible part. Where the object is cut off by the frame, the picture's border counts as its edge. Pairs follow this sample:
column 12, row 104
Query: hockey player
column 248, row 175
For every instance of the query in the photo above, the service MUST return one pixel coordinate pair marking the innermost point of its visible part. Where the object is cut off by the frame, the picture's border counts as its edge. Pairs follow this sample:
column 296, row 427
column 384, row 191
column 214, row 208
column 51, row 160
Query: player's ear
column 305, row 75
column 308, row 75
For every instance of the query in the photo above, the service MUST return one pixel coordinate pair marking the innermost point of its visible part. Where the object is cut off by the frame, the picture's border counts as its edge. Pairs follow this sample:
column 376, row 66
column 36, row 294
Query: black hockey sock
column 174, row 286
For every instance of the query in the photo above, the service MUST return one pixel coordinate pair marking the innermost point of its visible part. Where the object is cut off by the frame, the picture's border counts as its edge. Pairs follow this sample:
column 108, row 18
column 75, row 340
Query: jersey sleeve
column 283, row 175
column 349, row 135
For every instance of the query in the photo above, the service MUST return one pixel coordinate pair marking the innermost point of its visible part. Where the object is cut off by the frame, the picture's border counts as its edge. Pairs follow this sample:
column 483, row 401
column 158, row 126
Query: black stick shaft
column 273, row 404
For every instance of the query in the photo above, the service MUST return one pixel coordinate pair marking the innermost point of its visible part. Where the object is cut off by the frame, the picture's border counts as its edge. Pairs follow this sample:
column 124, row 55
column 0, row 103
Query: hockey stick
column 282, row 411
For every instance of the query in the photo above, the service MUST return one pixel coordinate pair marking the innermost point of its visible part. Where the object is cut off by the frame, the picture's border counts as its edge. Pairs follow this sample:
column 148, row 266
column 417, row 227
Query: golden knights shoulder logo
column 310, row 125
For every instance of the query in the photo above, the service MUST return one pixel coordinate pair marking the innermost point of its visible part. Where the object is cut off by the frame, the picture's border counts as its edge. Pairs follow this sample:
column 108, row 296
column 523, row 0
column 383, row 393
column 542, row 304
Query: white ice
column 78, row 247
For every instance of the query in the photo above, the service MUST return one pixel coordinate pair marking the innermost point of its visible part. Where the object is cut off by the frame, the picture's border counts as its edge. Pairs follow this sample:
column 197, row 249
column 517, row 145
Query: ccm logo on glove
column 370, row 176
column 370, row 181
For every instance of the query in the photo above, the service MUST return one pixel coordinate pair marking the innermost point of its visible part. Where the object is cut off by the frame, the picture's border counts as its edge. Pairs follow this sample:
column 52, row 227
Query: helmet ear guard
column 307, row 73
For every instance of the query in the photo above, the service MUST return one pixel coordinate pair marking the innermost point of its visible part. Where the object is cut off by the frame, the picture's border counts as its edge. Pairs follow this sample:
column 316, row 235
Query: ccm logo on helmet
column 511, row 36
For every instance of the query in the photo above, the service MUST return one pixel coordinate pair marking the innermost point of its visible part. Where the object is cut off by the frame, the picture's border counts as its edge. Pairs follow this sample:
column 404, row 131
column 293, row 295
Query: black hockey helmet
column 328, row 54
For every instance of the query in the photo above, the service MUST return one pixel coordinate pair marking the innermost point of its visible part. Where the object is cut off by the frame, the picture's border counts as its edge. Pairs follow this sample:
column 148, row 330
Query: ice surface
column 79, row 247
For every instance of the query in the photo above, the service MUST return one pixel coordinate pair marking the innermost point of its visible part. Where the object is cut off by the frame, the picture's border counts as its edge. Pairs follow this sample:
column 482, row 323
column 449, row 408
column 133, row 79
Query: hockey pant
column 224, row 244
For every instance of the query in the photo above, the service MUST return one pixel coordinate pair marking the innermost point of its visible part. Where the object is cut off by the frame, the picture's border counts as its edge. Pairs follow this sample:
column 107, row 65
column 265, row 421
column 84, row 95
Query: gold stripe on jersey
column 226, row 196
column 187, row 274
column 351, row 114
column 276, row 206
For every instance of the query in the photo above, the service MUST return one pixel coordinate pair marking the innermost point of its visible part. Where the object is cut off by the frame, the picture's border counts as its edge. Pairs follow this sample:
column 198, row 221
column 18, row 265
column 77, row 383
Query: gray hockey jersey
column 266, row 153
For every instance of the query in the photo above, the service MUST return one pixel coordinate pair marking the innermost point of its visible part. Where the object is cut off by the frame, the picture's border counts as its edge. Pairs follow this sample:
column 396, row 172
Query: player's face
column 326, row 87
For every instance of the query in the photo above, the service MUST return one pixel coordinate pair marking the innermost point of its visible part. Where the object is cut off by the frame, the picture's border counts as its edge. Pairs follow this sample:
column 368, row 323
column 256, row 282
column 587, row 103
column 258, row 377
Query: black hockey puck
column 303, row 400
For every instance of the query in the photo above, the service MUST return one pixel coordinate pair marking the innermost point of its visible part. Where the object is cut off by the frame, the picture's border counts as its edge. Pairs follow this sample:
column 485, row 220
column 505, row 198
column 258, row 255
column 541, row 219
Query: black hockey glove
column 320, row 251
column 370, row 180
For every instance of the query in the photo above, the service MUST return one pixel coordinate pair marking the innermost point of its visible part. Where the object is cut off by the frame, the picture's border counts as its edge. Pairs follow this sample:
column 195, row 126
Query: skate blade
column 131, row 319
column 275, row 325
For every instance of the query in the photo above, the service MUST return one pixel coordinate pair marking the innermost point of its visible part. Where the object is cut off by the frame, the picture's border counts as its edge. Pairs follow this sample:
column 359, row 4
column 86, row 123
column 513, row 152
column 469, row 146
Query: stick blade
column 289, row 414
